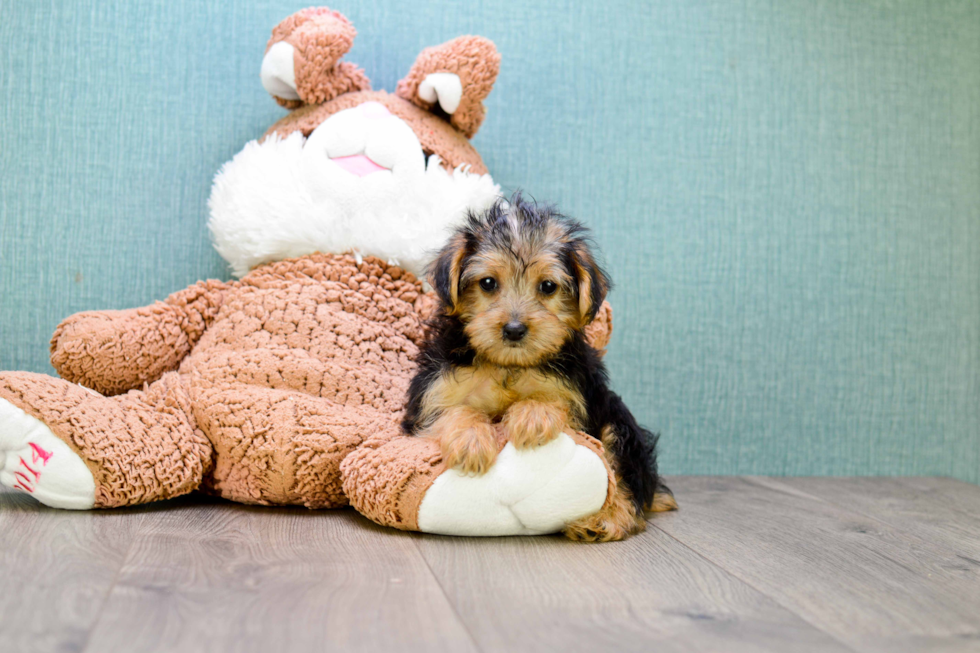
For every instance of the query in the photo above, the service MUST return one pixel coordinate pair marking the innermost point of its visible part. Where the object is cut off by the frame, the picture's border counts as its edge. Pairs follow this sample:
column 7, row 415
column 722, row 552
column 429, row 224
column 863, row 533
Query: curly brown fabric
column 283, row 373
column 115, row 351
column 307, row 357
column 386, row 478
column 475, row 60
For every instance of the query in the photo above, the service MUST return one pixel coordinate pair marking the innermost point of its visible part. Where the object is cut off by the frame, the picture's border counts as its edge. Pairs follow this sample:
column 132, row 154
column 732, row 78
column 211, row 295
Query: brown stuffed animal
column 257, row 389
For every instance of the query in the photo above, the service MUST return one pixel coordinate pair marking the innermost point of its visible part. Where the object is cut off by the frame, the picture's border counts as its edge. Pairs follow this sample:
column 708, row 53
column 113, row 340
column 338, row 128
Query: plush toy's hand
column 112, row 352
column 599, row 331
column 467, row 438
column 115, row 351
column 532, row 423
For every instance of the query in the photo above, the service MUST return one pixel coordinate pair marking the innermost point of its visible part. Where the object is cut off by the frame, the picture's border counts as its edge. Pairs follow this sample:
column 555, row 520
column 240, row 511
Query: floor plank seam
column 445, row 595
column 112, row 585
column 748, row 583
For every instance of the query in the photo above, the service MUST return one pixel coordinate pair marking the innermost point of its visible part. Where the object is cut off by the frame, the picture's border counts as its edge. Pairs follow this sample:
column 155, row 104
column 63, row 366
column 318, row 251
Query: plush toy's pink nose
column 374, row 110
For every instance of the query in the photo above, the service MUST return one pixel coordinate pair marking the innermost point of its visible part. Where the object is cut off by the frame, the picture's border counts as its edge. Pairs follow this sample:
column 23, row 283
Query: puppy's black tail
column 635, row 450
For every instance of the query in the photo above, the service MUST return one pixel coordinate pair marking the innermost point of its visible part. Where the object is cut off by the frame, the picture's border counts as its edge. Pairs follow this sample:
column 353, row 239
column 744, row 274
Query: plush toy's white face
column 366, row 142
column 359, row 183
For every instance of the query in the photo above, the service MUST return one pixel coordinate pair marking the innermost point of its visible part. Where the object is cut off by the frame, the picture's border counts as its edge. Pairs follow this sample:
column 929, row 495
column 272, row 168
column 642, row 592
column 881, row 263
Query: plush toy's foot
column 74, row 448
column 34, row 460
column 404, row 482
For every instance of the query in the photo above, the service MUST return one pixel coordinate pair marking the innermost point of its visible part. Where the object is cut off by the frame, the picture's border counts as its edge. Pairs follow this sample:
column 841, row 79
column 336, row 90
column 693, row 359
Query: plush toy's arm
column 115, row 351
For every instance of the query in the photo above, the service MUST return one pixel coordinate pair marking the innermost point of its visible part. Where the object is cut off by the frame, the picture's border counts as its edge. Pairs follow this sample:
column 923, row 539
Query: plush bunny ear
column 302, row 60
column 456, row 76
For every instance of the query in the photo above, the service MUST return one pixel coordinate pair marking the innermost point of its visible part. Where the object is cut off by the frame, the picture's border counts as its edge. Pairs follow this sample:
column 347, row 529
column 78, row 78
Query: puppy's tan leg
column 616, row 521
column 467, row 439
column 532, row 423
column 662, row 502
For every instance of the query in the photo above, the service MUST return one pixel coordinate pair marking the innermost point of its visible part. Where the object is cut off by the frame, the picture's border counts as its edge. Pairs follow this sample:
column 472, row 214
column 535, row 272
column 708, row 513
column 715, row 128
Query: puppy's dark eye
column 548, row 287
column 489, row 284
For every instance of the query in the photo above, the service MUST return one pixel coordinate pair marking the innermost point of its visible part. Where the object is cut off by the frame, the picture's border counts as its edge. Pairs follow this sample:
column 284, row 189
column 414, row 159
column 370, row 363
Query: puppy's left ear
column 456, row 75
column 593, row 284
column 446, row 272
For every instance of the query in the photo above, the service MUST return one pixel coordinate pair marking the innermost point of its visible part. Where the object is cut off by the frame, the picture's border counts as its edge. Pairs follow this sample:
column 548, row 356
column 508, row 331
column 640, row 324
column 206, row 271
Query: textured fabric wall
column 788, row 194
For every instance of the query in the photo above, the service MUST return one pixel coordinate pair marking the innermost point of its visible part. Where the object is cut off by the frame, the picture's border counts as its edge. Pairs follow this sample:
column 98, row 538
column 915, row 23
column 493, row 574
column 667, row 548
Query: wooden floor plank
column 226, row 577
column 648, row 593
column 755, row 564
column 860, row 579
column 56, row 571
column 938, row 510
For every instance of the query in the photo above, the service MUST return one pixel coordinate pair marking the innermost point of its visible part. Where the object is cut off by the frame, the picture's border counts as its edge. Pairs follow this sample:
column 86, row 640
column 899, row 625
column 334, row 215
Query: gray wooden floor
column 748, row 564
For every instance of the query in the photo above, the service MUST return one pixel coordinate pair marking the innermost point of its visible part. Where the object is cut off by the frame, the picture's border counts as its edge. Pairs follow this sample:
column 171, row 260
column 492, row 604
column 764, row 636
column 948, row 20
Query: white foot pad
column 34, row 460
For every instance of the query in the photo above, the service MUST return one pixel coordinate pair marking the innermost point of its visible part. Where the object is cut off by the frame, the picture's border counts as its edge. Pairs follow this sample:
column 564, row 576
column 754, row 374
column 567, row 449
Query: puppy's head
column 522, row 279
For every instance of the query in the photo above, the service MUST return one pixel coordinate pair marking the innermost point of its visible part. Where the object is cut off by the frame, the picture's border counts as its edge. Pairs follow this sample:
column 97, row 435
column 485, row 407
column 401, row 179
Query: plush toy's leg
column 386, row 479
column 280, row 446
column 138, row 447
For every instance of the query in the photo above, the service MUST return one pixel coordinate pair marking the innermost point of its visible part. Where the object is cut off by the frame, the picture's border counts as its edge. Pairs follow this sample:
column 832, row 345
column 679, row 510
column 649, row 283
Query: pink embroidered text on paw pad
column 35, row 461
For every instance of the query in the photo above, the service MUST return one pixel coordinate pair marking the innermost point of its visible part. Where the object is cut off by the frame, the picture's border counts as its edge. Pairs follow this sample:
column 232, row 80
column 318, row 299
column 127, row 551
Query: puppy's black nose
column 514, row 331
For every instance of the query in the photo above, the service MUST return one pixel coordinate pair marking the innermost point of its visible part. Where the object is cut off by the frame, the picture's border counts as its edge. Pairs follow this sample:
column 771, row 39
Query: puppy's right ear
column 446, row 273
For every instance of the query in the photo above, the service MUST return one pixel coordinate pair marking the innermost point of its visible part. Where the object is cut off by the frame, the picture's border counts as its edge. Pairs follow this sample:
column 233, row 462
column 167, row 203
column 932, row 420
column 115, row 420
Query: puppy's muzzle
column 514, row 331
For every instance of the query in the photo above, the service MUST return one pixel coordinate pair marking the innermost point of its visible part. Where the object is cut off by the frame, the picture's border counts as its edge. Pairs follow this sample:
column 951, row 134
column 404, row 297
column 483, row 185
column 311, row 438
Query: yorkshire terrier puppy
column 518, row 285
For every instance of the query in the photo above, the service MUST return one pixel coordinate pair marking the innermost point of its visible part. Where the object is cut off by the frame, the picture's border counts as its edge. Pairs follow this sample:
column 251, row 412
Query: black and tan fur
column 518, row 284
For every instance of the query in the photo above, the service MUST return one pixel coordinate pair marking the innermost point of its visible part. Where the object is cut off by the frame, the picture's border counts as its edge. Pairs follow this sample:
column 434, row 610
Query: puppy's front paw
column 472, row 450
column 467, row 439
column 532, row 423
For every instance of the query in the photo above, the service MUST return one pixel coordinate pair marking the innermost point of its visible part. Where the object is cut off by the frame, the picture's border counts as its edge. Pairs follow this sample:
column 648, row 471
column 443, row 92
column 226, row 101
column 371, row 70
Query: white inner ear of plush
column 278, row 72
column 445, row 87
column 526, row 492
column 285, row 198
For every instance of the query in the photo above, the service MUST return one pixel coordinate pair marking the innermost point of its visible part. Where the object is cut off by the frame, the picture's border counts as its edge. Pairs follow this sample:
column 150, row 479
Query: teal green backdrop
column 786, row 193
